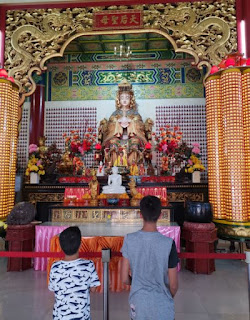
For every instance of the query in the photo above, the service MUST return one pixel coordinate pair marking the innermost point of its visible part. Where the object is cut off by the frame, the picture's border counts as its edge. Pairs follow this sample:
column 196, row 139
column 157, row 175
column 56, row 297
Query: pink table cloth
column 45, row 233
column 42, row 243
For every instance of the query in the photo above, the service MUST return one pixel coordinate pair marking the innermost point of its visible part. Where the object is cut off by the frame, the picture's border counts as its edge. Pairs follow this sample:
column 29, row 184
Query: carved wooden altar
column 43, row 196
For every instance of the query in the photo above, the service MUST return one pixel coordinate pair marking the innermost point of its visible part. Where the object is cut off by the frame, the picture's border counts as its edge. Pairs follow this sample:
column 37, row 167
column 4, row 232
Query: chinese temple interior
column 105, row 102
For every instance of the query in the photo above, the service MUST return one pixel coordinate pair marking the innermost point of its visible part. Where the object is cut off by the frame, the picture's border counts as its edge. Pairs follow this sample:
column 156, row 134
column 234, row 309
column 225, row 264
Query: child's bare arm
column 126, row 278
column 93, row 289
column 173, row 280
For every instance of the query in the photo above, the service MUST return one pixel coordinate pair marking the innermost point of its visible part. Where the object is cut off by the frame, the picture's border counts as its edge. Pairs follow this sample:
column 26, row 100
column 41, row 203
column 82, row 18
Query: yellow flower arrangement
column 3, row 225
column 195, row 166
column 194, row 161
column 34, row 165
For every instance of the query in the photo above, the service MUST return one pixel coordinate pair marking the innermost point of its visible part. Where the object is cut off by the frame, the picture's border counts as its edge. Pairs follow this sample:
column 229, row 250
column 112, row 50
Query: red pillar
column 37, row 114
column 243, row 26
column 2, row 35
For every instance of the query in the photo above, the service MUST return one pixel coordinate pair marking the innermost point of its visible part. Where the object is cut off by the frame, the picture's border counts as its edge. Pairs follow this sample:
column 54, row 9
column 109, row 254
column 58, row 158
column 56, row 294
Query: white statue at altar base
column 100, row 170
column 114, row 183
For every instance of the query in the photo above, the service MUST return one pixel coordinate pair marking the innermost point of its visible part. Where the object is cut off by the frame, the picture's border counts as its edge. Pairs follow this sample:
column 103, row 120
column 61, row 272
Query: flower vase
column 34, row 178
column 196, row 177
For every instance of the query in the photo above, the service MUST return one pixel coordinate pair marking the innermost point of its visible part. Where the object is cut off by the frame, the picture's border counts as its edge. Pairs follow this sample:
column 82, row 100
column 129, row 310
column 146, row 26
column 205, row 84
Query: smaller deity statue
column 132, row 187
column 98, row 156
column 147, row 156
column 148, row 129
column 133, row 169
column 141, row 169
column 66, row 165
column 94, row 187
column 113, row 151
column 102, row 129
column 100, row 170
column 121, row 160
column 134, row 152
column 164, row 164
column 114, row 183
column 41, row 147
column 150, row 170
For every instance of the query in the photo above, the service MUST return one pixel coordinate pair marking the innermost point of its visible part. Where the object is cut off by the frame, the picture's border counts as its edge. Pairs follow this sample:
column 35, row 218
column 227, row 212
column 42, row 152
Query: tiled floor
column 222, row 295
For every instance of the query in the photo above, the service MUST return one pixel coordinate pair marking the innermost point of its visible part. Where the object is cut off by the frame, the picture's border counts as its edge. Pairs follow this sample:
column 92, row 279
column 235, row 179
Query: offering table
column 95, row 237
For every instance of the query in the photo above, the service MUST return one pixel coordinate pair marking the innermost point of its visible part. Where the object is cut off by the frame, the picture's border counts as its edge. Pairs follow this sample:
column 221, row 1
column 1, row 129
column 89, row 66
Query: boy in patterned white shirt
column 71, row 279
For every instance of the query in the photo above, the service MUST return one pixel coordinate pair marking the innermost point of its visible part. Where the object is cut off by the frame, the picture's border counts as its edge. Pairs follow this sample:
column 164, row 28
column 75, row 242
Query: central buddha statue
column 124, row 129
column 114, row 183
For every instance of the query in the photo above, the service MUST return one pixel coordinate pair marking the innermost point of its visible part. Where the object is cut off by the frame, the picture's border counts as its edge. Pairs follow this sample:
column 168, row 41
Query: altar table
column 47, row 230
column 110, row 236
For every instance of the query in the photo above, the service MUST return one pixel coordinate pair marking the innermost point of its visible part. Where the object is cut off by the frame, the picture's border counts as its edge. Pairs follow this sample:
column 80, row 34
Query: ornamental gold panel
column 45, row 197
column 205, row 30
column 185, row 196
column 94, row 215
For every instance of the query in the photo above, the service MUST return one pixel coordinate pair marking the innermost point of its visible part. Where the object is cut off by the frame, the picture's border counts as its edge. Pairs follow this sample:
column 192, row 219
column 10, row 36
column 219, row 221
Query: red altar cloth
column 77, row 192
column 160, row 192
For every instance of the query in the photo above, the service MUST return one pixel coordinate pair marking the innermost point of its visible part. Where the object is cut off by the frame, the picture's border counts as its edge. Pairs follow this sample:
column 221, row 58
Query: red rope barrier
column 27, row 254
column 220, row 256
column 182, row 255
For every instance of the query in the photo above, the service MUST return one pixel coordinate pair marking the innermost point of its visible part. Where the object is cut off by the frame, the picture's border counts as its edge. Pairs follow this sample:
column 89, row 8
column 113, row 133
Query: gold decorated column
column 246, row 115
column 234, row 185
column 215, row 146
column 8, row 143
column 13, row 143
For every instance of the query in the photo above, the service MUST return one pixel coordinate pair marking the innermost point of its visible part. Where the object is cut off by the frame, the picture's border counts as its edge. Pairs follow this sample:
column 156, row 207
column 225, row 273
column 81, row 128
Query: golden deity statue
column 121, row 160
column 66, row 164
column 94, row 186
column 41, row 147
column 125, row 129
column 132, row 187
column 133, row 169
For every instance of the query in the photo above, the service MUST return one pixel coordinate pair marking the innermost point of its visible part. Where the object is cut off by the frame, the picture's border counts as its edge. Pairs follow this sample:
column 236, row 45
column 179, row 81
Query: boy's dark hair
column 70, row 240
column 150, row 207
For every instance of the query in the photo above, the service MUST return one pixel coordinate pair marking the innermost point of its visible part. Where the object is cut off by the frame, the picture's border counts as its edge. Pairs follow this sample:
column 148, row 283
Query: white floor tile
column 223, row 295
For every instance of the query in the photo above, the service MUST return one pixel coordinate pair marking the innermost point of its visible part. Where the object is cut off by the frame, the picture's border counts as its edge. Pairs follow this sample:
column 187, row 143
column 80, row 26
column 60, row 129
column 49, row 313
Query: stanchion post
column 105, row 261
column 248, row 275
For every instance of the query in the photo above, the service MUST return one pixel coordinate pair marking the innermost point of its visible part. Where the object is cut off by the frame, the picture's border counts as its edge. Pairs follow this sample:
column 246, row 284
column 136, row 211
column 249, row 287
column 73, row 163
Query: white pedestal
column 34, row 178
column 196, row 177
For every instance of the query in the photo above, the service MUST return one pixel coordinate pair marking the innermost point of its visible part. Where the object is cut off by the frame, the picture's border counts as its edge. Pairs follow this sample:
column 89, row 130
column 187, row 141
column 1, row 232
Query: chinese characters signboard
column 113, row 20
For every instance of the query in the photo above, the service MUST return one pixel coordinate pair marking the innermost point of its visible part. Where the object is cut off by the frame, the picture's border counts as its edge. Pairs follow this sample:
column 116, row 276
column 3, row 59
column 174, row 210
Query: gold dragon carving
column 207, row 37
column 208, row 29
